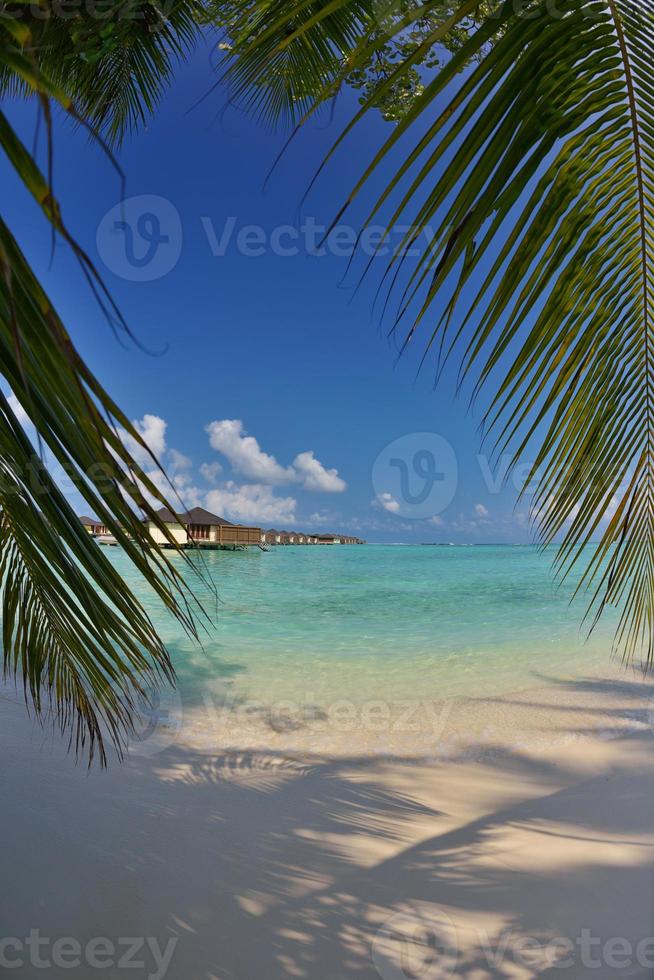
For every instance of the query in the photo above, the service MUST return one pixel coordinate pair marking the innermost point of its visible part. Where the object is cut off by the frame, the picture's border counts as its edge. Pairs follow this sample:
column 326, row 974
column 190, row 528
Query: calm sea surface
column 315, row 624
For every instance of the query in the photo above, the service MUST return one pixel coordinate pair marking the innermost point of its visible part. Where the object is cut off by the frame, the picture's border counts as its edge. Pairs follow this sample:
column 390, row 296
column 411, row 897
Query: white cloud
column 152, row 428
column 183, row 493
column 246, row 457
column 210, row 471
column 436, row 521
column 182, row 489
column 251, row 502
column 245, row 454
column 188, row 492
column 480, row 510
column 388, row 502
column 319, row 518
column 178, row 461
column 312, row 475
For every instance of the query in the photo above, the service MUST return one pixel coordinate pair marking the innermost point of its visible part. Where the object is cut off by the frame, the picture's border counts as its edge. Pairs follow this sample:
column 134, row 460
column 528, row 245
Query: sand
column 523, row 848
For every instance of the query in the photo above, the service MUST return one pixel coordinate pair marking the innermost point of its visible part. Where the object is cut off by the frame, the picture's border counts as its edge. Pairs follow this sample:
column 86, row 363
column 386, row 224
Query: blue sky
column 266, row 384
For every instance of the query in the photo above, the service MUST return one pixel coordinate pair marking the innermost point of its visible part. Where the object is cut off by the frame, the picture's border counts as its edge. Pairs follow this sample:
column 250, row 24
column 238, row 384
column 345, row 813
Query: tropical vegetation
column 523, row 139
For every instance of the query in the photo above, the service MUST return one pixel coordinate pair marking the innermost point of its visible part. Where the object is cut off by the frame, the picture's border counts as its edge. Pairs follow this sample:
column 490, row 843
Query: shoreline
column 556, row 711
column 553, row 714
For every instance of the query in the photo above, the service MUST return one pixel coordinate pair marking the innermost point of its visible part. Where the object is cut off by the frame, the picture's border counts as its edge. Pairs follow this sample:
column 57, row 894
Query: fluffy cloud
column 252, row 502
column 178, row 461
column 320, row 517
column 183, row 493
column 189, row 494
column 312, row 475
column 388, row 502
column 210, row 471
column 480, row 510
column 152, row 430
column 246, row 457
column 245, row 454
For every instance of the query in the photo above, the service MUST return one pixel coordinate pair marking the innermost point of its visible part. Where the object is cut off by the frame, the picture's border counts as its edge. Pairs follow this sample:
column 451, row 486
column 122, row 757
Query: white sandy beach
column 525, row 850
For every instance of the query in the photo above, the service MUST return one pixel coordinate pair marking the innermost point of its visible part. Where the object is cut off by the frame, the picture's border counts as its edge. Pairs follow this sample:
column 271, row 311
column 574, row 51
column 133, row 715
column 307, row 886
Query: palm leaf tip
column 73, row 632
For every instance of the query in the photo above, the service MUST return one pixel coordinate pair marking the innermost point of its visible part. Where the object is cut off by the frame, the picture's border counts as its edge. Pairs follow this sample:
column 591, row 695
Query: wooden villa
column 337, row 539
column 94, row 527
column 274, row 537
column 200, row 527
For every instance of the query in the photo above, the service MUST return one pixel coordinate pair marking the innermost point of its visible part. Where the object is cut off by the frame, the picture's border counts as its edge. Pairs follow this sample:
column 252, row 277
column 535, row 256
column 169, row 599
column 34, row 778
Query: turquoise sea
column 299, row 629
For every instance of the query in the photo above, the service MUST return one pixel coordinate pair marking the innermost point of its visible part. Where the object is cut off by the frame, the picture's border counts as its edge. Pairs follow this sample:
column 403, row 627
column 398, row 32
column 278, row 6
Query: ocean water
column 299, row 632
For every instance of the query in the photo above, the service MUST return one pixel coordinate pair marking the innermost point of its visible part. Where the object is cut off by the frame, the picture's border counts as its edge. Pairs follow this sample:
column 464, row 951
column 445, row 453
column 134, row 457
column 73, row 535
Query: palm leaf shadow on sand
column 263, row 865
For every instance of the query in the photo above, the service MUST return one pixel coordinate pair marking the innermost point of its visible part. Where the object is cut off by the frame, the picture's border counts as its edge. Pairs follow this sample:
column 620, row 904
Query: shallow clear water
column 315, row 624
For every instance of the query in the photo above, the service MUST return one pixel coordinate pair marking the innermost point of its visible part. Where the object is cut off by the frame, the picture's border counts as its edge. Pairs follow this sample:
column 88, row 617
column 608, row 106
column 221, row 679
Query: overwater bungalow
column 200, row 527
column 272, row 536
column 94, row 527
column 338, row 539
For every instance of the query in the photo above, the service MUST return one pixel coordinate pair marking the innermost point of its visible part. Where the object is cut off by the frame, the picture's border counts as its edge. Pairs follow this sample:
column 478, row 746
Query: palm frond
column 532, row 167
column 113, row 60
column 284, row 60
column 73, row 632
column 295, row 51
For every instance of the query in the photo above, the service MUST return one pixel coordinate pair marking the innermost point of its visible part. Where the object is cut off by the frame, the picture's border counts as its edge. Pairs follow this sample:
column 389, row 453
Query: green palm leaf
column 72, row 630
column 295, row 52
column 114, row 59
column 534, row 171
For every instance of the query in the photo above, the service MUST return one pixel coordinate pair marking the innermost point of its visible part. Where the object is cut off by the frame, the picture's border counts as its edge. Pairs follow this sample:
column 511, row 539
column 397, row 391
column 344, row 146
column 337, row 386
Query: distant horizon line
column 472, row 544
